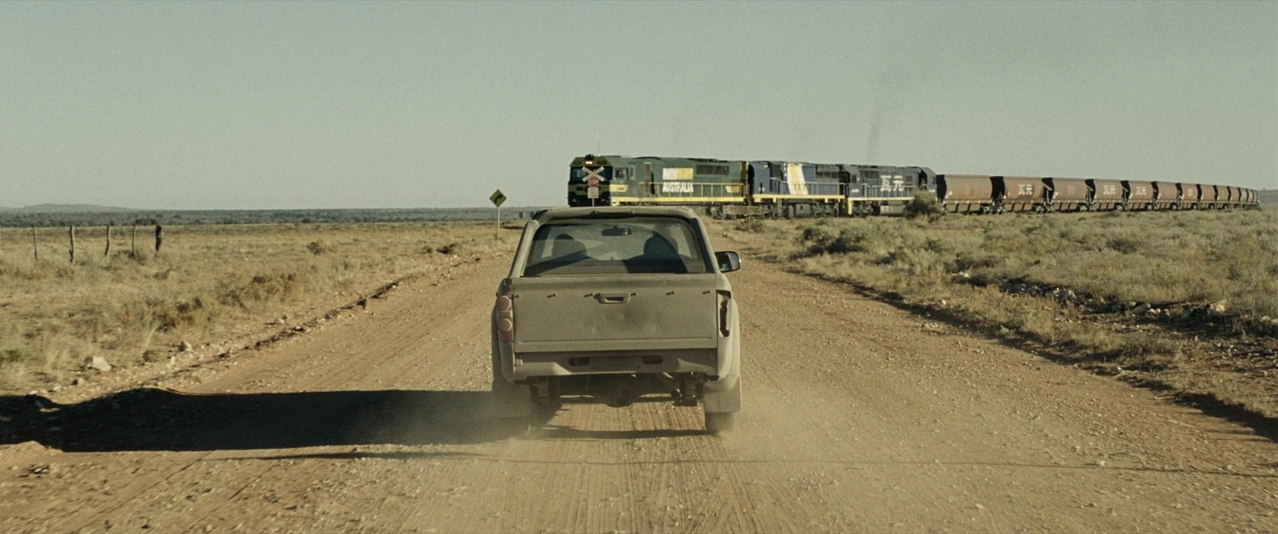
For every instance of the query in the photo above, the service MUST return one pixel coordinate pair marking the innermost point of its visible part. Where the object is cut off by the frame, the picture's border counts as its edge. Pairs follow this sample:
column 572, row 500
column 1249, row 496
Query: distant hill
column 66, row 208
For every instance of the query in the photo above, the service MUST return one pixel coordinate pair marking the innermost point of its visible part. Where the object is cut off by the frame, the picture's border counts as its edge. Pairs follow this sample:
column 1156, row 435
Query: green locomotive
column 725, row 188
column 622, row 180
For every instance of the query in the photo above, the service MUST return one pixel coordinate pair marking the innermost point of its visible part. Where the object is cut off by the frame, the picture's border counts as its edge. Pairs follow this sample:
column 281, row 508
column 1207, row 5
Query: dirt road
column 859, row 417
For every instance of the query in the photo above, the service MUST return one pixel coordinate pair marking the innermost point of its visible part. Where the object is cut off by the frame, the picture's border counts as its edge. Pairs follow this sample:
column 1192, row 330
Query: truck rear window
column 638, row 245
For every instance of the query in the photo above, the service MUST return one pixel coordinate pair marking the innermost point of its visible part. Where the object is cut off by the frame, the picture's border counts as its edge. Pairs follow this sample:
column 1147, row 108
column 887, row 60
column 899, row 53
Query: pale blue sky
column 326, row 105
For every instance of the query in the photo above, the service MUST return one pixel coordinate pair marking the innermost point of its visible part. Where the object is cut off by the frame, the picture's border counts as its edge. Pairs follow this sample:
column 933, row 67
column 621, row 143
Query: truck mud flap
column 723, row 398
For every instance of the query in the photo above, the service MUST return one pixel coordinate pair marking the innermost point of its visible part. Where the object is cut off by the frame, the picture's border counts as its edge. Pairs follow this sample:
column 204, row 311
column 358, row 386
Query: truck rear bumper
column 543, row 364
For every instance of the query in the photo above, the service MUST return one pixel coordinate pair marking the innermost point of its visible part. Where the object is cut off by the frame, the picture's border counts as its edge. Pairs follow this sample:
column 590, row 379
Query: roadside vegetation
column 207, row 284
column 1186, row 301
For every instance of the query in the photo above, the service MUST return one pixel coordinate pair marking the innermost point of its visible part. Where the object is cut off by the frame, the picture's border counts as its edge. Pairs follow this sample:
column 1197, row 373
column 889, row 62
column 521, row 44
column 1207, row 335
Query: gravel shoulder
column 858, row 417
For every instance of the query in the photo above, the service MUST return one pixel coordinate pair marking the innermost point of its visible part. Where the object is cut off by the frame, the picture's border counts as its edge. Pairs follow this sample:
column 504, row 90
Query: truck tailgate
column 605, row 313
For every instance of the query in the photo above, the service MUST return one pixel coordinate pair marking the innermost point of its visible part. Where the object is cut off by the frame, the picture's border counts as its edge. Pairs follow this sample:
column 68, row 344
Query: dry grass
column 1161, row 258
column 205, row 285
column 1076, row 283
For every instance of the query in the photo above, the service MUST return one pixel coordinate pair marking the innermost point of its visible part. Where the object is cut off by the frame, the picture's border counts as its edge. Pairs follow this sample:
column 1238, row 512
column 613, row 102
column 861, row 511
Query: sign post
column 592, row 188
column 498, row 198
column 592, row 184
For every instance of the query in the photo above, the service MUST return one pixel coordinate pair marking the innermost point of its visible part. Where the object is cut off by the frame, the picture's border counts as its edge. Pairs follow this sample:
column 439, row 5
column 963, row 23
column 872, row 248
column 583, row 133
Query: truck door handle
column 613, row 298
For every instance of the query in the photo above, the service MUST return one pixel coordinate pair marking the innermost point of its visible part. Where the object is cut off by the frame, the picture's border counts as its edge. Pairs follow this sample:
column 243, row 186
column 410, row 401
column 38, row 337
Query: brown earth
column 858, row 417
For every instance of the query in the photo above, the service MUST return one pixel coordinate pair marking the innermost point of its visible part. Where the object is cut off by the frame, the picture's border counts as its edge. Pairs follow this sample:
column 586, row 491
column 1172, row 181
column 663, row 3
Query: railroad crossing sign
column 592, row 177
column 498, row 198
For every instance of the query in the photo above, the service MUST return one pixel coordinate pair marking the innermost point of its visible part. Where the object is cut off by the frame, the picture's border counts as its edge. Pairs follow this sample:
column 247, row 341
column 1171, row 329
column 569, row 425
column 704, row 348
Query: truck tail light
column 724, row 325
column 505, row 309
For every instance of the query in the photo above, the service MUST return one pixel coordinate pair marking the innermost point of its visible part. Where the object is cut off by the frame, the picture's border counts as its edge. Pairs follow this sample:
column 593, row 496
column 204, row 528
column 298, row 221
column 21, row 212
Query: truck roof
column 613, row 211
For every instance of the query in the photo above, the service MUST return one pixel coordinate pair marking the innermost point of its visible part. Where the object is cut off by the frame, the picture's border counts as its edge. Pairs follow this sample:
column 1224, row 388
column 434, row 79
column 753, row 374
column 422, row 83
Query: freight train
column 723, row 188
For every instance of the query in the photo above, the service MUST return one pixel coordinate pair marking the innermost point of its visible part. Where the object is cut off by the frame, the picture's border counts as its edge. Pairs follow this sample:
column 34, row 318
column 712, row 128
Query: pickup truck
column 611, row 304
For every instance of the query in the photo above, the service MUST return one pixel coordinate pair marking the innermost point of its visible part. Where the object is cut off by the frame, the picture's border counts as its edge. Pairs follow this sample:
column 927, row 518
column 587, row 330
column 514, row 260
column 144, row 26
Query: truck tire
column 510, row 401
column 720, row 423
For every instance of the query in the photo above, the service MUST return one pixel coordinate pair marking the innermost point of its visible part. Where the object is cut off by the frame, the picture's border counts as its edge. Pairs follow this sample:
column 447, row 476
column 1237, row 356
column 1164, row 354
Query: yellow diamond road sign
column 498, row 198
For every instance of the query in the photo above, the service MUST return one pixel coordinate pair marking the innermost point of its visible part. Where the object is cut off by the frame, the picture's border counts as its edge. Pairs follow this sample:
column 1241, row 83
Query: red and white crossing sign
column 592, row 177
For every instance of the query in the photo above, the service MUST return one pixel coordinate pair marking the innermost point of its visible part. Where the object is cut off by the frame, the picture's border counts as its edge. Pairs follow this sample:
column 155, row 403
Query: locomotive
column 733, row 188
column 724, row 188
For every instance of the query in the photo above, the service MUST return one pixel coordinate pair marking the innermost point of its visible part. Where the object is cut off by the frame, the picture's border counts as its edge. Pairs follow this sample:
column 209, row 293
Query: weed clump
column 319, row 248
column 848, row 240
column 751, row 225
column 184, row 314
column 924, row 204
column 261, row 288
column 16, row 355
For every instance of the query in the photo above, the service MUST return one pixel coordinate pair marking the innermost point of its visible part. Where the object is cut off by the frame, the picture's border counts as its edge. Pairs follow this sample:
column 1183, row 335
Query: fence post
column 35, row 248
column 107, row 254
column 73, row 243
column 133, row 247
column 159, row 238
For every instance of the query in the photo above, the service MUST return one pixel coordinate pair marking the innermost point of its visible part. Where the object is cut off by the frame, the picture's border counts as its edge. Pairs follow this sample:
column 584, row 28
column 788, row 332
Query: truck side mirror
column 728, row 261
